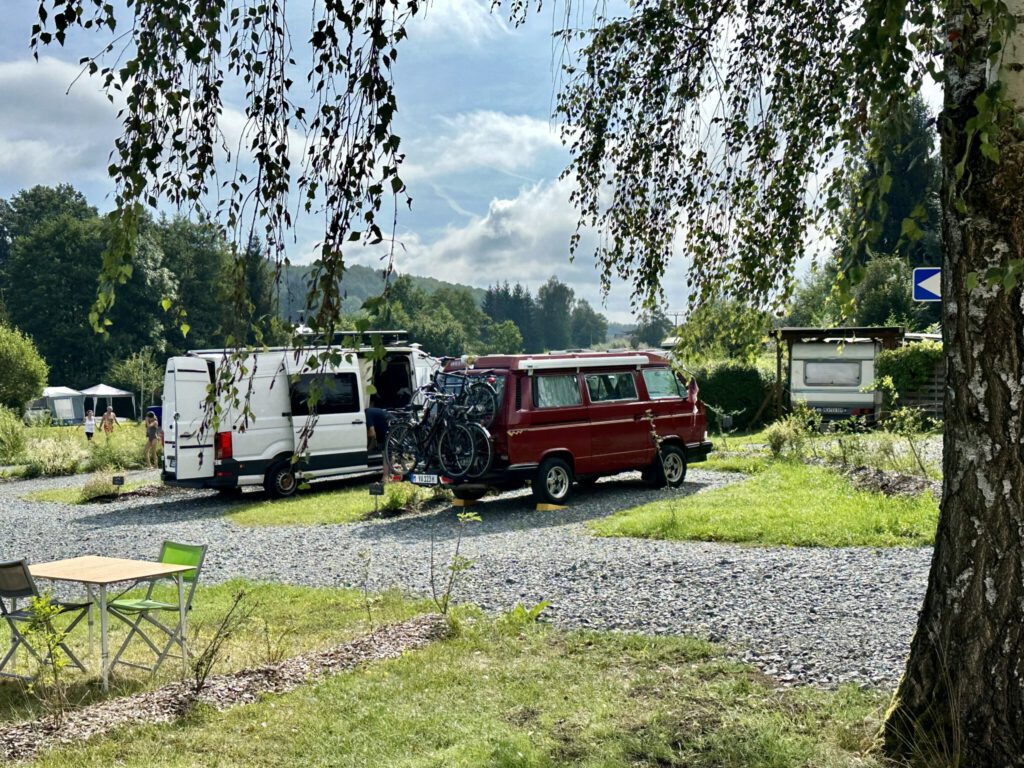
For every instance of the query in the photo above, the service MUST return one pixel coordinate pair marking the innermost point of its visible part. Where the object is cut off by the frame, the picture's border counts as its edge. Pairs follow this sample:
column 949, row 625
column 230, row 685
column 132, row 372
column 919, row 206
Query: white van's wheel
column 553, row 483
column 281, row 481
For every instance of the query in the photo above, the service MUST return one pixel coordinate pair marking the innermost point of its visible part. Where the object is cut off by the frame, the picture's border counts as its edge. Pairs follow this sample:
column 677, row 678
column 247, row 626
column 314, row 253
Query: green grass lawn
column 745, row 463
column 74, row 495
column 285, row 621
column 316, row 506
column 508, row 693
column 786, row 504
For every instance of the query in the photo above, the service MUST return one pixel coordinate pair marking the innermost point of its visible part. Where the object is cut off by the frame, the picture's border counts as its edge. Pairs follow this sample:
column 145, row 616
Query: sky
column 483, row 154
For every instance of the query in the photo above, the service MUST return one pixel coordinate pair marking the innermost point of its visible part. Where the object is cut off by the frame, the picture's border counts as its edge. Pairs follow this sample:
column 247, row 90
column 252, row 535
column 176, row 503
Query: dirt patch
column 22, row 741
column 891, row 483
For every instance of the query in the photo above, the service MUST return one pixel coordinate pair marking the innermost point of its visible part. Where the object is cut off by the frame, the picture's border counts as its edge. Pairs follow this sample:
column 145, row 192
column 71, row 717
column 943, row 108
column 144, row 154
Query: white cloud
column 465, row 21
column 511, row 144
column 523, row 239
column 49, row 135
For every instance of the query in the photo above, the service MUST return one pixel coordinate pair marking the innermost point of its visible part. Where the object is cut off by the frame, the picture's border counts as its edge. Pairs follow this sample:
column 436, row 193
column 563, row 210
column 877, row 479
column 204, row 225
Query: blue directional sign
column 927, row 284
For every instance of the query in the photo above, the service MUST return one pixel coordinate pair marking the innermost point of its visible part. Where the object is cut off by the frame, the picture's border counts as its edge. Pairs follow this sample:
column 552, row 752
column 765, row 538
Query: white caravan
column 259, row 450
column 833, row 377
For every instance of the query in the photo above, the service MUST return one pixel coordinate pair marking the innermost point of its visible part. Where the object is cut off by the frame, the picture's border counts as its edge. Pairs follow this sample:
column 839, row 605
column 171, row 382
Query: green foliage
column 504, row 338
column 734, row 387
column 60, row 453
column 519, row 616
column 589, row 328
column 651, row 329
column 439, row 332
column 789, row 504
column 909, row 367
column 884, row 294
column 99, row 486
column 555, row 302
column 139, row 372
column 723, row 328
column 12, row 436
column 49, row 684
column 122, row 449
column 813, row 305
column 22, row 371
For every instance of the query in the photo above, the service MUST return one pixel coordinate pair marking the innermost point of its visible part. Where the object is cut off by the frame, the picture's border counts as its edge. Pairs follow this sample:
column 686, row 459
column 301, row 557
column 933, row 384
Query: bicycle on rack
column 445, row 432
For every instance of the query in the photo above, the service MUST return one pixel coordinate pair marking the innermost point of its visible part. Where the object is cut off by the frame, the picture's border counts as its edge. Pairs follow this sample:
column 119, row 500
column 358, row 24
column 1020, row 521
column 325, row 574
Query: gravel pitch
column 821, row 616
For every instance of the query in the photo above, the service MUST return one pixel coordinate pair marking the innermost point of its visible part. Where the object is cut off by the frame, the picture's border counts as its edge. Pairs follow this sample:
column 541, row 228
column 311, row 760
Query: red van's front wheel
column 553, row 482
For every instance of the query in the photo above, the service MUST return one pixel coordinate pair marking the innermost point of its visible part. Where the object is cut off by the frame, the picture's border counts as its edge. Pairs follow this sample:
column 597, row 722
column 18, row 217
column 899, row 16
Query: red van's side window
column 603, row 387
column 662, row 383
column 556, row 391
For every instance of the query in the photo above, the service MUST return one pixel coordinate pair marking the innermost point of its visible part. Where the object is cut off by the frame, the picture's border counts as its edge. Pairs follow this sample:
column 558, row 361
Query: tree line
column 185, row 290
column 188, row 289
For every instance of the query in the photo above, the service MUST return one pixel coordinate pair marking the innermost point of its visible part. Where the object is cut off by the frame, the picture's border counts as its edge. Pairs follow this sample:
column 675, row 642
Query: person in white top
column 90, row 425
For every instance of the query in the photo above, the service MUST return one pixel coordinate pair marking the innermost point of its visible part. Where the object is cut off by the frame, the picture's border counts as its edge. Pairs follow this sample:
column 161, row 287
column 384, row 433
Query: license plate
column 424, row 479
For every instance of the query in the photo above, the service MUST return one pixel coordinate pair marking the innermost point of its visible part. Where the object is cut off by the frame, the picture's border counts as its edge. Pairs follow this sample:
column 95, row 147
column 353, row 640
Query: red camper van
column 574, row 417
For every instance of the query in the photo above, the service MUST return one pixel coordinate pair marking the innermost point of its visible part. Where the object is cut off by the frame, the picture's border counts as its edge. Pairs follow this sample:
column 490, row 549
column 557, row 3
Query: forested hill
column 358, row 284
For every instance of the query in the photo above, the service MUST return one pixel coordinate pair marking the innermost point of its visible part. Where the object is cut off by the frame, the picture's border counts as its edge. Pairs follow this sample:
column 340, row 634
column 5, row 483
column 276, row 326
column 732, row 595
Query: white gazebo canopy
column 108, row 393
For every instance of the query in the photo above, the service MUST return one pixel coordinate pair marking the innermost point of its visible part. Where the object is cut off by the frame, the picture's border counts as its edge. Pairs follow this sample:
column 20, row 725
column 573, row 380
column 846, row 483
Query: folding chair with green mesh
column 16, row 582
column 136, row 612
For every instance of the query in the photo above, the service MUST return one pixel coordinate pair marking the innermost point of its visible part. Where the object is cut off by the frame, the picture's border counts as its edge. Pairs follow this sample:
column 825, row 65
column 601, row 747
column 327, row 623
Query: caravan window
column 336, row 393
column 832, row 373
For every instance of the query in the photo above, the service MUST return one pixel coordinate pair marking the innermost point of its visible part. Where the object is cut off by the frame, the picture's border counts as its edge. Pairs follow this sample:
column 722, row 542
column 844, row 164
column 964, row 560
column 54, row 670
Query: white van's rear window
column 832, row 373
column 556, row 391
column 661, row 383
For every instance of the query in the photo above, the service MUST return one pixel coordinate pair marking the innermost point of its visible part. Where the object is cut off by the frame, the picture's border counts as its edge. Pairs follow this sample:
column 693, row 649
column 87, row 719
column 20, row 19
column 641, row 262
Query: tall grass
column 51, row 451
column 12, row 437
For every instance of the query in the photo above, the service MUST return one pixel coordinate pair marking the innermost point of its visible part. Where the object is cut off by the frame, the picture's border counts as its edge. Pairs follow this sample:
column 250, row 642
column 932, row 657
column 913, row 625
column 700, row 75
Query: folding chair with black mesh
column 138, row 611
column 16, row 582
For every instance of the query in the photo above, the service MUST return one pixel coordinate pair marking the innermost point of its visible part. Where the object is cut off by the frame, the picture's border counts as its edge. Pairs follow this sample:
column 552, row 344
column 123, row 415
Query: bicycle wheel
column 455, row 450
column 481, row 403
column 483, row 452
column 400, row 448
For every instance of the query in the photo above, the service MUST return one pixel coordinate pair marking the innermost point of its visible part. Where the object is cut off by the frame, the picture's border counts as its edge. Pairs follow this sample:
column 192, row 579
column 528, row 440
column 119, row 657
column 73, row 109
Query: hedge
column 734, row 387
column 911, row 366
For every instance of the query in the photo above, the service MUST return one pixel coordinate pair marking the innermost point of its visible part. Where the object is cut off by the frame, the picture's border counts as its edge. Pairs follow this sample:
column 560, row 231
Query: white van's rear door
column 188, row 444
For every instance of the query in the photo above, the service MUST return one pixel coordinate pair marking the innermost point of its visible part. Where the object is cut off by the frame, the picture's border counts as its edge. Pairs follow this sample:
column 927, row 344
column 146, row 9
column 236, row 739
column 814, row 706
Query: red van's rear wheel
column 668, row 469
column 553, row 483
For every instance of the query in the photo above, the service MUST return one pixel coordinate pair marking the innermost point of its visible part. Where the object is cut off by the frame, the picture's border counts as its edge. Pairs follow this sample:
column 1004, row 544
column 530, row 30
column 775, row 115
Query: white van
column 258, row 448
column 832, row 377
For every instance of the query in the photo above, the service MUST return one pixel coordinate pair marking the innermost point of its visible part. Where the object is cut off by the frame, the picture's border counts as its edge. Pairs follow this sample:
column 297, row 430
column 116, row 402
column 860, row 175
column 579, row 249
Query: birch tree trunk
column 961, row 701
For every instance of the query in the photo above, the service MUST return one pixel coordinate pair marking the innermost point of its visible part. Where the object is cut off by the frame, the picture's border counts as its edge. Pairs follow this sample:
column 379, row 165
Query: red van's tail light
column 222, row 446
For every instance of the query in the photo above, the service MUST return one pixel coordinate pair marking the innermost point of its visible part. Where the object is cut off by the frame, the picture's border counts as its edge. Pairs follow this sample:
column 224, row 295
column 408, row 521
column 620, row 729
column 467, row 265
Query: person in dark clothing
column 376, row 425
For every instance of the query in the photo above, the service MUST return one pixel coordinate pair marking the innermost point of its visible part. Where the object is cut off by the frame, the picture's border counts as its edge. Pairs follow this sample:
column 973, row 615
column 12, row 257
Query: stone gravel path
column 803, row 615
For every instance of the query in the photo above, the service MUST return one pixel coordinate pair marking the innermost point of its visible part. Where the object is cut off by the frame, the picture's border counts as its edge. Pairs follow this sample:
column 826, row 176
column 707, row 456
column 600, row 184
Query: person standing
column 90, row 425
column 152, row 434
column 108, row 421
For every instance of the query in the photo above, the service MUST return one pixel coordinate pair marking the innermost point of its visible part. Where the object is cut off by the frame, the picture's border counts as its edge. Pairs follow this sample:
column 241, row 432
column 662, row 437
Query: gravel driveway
column 803, row 615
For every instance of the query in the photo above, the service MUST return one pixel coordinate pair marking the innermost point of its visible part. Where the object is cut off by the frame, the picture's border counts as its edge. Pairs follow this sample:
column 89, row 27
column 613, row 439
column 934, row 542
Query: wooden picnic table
column 101, row 572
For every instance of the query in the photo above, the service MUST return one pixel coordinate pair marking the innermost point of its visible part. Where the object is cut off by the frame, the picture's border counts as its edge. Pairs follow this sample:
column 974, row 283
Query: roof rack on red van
column 566, row 361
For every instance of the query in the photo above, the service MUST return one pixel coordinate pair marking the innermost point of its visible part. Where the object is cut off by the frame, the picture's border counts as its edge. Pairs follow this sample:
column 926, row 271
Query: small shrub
column 401, row 496
column 98, row 487
column 60, row 454
column 777, row 436
column 12, row 437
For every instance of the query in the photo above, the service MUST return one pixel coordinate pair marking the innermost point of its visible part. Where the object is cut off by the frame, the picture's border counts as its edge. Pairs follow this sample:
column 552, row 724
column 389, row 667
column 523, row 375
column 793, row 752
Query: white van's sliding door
column 188, row 446
column 337, row 441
